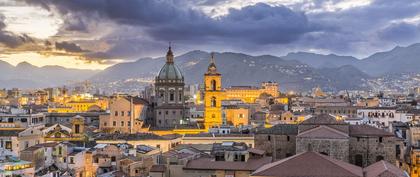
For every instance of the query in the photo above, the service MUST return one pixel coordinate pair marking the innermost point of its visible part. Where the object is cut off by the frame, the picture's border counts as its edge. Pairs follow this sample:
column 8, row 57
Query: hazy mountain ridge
column 25, row 75
column 297, row 71
column 240, row 69
column 395, row 61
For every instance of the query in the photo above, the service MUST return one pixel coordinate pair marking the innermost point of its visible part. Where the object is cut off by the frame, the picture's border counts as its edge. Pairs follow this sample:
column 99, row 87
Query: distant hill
column 321, row 61
column 295, row 71
column 241, row 69
column 395, row 61
column 25, row 75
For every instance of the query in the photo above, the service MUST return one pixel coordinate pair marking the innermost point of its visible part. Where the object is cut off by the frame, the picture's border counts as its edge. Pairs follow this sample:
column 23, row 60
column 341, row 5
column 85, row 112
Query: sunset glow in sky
column 97, row 34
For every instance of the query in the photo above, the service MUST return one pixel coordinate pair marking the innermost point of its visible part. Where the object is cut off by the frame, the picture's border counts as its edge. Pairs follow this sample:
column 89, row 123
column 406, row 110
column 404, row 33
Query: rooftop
column 210, row 164
column 280, row 129
column 366, row 130
column 314, row 165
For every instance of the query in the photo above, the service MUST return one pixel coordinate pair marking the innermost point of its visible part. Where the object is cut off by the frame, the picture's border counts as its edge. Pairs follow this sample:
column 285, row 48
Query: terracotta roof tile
column 383, row 169
column 322, row 119
column 309, row 164
column 366, row 130
column 209, row 164
column 323, row 132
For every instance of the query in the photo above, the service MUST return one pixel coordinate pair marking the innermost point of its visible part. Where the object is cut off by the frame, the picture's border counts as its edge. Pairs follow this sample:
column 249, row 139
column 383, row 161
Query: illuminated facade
column 214, row 94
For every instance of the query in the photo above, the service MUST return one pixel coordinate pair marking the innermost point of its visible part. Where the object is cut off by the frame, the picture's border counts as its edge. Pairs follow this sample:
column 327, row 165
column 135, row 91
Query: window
column 114, row 123
column 71, row 160
column 213, row 85
column 269, row 138
column 171, row 96
column 113, row 159
column 77, row 128
column 288, row 138
column 379, row 158
column 122, row 123
column 358, row 160
column 128, row 113
column 160, row 113
column 128, row 123
column 158, row 146
column 380, row 139
column 116, row 113
column 122, row 113
column 105, row 124
column 213, row 102
column 180, row 97
column 166, row 112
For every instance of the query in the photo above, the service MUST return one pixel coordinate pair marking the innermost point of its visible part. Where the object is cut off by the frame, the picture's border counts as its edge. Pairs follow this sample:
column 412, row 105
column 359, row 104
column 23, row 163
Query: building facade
column 169, row 95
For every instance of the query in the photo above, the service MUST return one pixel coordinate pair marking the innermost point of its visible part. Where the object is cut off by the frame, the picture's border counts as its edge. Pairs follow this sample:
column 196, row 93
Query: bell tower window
column 213, row 102
column 213, row 85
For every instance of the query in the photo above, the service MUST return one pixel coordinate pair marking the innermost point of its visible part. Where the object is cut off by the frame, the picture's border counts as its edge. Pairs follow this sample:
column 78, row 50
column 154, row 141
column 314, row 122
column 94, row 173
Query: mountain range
column 296, row 71
column 25, row 75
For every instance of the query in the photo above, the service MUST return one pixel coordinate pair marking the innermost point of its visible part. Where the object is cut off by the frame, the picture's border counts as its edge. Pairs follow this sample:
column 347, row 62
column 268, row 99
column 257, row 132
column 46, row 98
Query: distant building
column 126, row 115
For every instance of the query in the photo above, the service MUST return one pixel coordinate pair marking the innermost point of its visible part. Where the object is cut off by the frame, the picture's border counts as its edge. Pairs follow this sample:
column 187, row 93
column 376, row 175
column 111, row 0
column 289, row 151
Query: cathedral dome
column 170, row 71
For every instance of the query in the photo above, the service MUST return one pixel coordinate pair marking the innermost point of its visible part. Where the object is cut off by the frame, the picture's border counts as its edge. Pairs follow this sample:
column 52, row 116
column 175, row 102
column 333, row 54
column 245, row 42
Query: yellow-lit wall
column 213, row 113
column 238, row 116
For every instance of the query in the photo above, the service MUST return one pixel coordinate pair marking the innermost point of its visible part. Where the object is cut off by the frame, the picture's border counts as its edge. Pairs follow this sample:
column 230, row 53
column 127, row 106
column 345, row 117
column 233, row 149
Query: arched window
column 172, row 96
column 213, row 85
column 213, row 101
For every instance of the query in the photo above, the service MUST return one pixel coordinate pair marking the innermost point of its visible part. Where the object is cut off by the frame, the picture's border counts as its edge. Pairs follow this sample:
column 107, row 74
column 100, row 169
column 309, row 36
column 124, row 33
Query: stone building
column 169, row 89
column 278, row 141
column 325, row 140
column 127, row 115
column 360, row 145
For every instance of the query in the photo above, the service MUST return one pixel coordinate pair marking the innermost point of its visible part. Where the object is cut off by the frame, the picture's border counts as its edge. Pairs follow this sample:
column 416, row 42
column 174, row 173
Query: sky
column 94, row 34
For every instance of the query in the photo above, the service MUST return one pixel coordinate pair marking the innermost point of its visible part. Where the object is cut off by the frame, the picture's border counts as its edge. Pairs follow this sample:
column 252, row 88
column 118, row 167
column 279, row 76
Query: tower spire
column 212, row 58
column 212, row 66
column 169, row 54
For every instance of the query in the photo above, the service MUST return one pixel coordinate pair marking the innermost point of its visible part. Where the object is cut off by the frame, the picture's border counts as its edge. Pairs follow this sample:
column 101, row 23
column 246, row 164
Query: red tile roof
column 366, row 130
column 323, row 132
column 158, row 168
column 210, row 164
column 309, row 164
column 384, row 169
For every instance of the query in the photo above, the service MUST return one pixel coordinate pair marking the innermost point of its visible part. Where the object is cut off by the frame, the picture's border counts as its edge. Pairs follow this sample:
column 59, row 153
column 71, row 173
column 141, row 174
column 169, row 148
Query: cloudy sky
column 97, row 33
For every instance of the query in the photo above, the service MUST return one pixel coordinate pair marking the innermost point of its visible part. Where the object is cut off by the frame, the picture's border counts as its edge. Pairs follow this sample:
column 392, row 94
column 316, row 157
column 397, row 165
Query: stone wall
column 277, row 146
column 336, row 148
column 365, row 151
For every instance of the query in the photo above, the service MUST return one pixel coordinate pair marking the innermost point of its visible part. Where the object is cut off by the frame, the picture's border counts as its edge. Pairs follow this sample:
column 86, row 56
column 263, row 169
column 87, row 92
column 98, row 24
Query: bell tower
column 213, row 96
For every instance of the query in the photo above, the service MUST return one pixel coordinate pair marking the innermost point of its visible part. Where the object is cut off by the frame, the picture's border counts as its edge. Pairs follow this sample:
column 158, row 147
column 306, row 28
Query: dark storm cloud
column 354, row 31
column 10, row 39
column 400, row 32
column 176, row 21
column 69, row 47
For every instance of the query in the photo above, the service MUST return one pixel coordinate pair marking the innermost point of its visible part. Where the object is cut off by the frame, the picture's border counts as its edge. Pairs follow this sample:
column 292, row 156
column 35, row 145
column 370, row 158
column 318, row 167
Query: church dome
column 170, row 71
